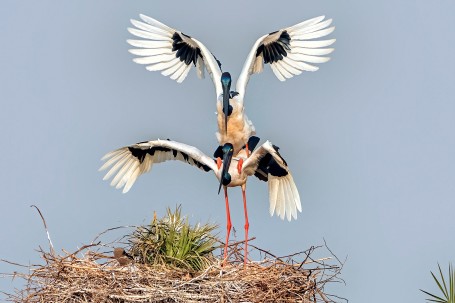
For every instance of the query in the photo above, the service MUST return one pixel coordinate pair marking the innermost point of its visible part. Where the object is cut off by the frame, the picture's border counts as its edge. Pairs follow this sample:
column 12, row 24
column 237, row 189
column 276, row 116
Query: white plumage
column 126, row 164
column 289, row 52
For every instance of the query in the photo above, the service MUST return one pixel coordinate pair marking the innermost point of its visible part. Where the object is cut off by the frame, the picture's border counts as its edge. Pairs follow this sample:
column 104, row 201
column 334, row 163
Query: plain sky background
column 369, row 137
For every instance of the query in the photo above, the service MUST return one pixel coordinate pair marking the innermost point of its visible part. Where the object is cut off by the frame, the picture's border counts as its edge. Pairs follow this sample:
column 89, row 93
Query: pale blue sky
column 369, row 137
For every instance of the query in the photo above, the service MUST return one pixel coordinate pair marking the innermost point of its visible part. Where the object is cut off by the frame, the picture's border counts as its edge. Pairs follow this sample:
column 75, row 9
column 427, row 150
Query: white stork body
column 126, row 164
column 288, row 51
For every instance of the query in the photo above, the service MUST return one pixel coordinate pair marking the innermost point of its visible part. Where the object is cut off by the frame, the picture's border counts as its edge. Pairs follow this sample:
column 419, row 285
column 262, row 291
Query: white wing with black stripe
column 267, row 164
column 170, row 51
column 289, row 51
column 128, row 163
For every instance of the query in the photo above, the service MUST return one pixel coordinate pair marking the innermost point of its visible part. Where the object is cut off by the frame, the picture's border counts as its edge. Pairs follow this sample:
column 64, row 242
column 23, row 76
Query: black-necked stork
column 128, row 163
column 288, row 51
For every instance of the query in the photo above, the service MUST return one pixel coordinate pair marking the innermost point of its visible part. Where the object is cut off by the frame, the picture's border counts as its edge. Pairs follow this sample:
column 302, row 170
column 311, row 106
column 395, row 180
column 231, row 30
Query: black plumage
column 276, row 50
column 185, row 52
column 140, row 154
column 252, row 142
column 268, row 165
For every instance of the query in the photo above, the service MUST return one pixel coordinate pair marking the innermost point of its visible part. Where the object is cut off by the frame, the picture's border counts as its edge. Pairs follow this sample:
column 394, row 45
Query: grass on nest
column 174, row 242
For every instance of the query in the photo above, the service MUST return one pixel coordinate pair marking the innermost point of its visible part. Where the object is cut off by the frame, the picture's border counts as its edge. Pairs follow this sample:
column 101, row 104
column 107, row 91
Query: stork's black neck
column 232, row 94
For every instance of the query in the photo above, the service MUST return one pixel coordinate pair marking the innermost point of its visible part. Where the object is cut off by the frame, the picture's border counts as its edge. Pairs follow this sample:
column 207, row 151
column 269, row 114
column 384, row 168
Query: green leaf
column 449, row 293
column 439, row 285
column 438, row 299
column 444, row 291
column 174, row 242
column 452, row 284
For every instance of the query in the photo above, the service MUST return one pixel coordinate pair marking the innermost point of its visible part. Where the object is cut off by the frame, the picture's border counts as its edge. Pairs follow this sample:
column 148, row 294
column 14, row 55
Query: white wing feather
column 127, row 168
column 301, row 51
column 156, row 51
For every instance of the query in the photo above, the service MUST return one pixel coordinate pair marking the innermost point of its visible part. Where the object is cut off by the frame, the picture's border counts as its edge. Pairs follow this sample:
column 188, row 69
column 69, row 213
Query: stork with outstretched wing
column 288, row 51
column 126, row 164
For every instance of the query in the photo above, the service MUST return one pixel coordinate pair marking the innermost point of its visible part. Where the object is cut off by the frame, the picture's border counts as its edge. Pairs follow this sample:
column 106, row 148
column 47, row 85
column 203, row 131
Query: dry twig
column 95, row 278
column 88, row 275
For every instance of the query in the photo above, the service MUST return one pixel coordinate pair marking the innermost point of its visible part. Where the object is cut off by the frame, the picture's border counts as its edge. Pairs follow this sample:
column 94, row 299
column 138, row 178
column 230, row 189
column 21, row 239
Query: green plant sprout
column 173, row 241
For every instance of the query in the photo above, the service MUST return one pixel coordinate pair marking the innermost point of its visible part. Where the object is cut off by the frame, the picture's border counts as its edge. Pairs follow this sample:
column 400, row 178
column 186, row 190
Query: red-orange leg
column 229, row 225
column 247, row 150
column 247, row 225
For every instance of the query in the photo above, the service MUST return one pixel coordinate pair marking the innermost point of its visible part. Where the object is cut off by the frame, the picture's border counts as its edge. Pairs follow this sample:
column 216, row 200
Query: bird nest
column 99, row 273
column 88, row 275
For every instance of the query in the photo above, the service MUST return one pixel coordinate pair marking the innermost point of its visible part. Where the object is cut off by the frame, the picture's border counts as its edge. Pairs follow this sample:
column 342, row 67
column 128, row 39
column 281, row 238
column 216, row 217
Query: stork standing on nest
column 128, row 163
column 288, row 51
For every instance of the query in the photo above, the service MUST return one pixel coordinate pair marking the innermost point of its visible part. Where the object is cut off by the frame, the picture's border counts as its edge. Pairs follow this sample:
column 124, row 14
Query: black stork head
column 228, row 151
column 226, row 84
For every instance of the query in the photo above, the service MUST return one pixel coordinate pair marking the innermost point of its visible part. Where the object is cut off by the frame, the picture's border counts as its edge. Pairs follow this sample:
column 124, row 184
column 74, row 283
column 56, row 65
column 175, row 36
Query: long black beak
column 226, row 163
column 226, row 105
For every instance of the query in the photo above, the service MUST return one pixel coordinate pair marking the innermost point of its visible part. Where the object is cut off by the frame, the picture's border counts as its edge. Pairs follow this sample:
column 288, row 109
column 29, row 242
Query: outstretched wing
column 289, row 51
column 267, row 164
column 129, row 162
column 171, row 51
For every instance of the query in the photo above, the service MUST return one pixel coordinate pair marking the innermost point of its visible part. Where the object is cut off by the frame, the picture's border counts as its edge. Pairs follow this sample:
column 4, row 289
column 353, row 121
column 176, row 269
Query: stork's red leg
column 247, row 224
column 229, row 224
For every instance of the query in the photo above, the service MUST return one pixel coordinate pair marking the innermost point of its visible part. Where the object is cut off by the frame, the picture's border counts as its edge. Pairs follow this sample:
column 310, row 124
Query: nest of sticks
column 90, row 276
column 102, row 272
